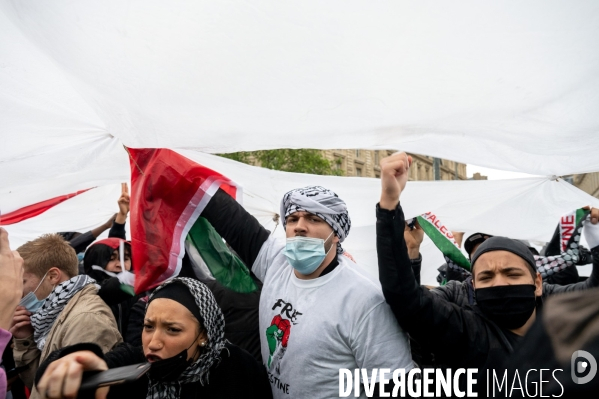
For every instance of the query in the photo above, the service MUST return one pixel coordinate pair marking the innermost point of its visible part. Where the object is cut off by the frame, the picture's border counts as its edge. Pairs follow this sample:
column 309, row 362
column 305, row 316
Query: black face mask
column 168, row 370
column 508, row 306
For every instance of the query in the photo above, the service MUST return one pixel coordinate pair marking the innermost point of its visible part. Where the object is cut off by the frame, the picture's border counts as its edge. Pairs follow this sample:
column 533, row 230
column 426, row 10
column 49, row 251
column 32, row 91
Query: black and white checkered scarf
column 214, row 324
column 548, row 265
column 321, row 202
column 43, row 320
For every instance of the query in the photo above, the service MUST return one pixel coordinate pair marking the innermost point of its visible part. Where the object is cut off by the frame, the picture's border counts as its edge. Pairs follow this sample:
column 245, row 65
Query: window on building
column 377, row 175
column 376, row 158
column 357, row 153
column 338, row 163
column 359, row 172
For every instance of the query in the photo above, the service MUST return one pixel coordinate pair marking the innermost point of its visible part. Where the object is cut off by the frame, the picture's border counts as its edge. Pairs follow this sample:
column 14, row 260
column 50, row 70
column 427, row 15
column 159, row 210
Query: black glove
column 584, row 256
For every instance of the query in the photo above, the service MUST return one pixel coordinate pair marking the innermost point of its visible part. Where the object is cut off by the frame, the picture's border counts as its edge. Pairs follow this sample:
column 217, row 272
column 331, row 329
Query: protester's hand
column 11, row 280
column 123, row 202
column 62, row 378
column 591, row 231
column 413, row 239
column 21, row 327
column 594, row 215
column 394, row 175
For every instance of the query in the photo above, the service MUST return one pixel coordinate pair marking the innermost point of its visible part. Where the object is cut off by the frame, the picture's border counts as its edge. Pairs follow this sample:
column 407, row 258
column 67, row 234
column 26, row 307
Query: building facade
column 365, row 163
column 587, row 182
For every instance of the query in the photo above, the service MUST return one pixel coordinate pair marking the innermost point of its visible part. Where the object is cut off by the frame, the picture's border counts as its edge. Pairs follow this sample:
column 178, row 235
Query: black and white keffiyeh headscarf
column 214, row 324
column 321, row 202
column 43, row 320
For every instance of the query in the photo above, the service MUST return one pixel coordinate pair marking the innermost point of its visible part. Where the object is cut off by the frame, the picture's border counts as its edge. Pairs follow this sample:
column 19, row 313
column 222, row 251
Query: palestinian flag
column 570, row 230
column 568, row 225
column 222, row 264
column 443, row 239
column 168, row 194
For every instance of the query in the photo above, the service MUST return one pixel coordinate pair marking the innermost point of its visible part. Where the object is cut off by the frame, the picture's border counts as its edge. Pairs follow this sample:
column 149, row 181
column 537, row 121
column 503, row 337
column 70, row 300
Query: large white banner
column 508, row 84
column 518, row 208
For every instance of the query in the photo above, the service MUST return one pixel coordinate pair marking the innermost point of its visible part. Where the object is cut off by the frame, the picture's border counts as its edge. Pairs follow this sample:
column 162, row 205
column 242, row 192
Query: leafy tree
column 288, row 160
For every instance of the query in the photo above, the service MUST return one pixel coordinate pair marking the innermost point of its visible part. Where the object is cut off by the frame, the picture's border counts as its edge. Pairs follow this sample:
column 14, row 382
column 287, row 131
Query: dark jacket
column 241, row 317
column 569, row 323
column 237, row 375
column 462, row 293
column 111, row 292
column 459, row 336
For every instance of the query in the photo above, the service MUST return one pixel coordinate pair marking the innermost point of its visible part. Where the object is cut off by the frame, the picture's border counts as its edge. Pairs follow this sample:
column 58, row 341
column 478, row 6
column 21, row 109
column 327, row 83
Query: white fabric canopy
column 510, row 85
column 519, row 208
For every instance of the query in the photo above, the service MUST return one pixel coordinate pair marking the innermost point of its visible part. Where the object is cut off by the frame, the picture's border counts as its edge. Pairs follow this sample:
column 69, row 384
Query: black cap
column 505, row 244
column 474, row 239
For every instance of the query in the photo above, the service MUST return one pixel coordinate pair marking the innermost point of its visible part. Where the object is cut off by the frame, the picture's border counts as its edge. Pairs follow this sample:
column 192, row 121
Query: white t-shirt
column 309, row 329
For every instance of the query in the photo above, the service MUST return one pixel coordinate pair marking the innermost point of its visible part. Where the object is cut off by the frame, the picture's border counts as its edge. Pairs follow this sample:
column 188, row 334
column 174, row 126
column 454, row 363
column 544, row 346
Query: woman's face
column 114, row 265
column 169, row 328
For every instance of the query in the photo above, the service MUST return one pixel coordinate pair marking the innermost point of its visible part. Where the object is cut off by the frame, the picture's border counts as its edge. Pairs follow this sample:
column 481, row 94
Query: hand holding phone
column 116, row 376
column 62, row 377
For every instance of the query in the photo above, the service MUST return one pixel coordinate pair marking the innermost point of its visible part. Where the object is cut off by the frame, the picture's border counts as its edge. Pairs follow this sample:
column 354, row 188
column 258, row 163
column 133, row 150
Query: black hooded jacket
column 460, row 336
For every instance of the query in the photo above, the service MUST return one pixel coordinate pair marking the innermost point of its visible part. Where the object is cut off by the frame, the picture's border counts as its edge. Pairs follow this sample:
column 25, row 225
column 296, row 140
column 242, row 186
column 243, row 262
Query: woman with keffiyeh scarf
column 183, row 338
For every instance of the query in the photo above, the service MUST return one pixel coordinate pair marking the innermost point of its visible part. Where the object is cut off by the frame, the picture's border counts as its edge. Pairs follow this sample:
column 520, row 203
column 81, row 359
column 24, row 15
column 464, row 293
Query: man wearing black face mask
column 505, row 280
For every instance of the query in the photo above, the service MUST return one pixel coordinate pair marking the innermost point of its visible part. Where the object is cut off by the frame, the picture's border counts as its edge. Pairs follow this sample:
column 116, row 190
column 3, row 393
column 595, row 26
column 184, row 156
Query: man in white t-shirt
column 318, row 312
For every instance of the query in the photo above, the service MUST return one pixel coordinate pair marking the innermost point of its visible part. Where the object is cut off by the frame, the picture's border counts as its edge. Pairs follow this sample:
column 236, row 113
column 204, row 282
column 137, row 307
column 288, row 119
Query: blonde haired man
column 59, row 308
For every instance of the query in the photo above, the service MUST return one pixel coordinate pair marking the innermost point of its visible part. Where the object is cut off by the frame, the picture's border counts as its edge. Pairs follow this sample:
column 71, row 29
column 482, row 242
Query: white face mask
column 125, row 277
column 30, row 301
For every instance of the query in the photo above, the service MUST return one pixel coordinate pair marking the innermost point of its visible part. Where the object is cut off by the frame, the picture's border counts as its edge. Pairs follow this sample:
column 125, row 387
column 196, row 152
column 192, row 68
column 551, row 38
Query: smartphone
column 119, row 375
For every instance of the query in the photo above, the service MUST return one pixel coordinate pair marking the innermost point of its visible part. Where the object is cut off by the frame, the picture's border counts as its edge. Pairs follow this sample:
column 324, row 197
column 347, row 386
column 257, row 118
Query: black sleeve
column 553, row 247
column 124, row 354
column 81, row 242
column 447, row 291
column 416, row 267
column 136, row 323
column 239, row 229
column 117, row 230
column 454, row 334
column 239, row 375
column 569, row 275
column 111, row 292
column 591, row 282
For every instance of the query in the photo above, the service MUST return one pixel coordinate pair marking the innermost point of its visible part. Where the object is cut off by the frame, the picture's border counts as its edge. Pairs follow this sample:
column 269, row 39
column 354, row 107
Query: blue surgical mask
column 30, row 301
column 305, row 254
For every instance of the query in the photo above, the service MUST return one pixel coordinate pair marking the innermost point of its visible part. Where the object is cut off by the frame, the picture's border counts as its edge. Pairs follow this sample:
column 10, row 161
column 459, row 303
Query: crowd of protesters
column 68, row 311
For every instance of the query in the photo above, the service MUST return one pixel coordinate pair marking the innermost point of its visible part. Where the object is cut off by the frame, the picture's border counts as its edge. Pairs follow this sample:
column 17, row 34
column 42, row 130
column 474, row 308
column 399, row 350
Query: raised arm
column 239, row 229
column 591, row 233
column 118, row 226
column 447, row 328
